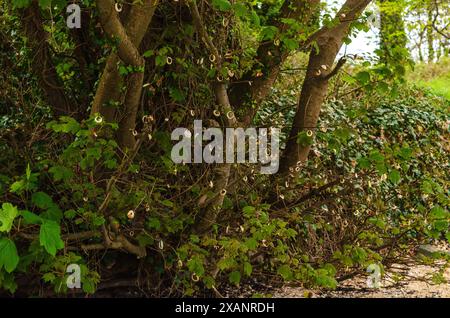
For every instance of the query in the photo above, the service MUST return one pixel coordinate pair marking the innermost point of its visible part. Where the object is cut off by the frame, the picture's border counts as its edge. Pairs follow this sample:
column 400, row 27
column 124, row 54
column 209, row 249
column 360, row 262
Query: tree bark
column 129, row 36
column 271, row 57
column 430, row 32
column 315, row 85
column 42, row 65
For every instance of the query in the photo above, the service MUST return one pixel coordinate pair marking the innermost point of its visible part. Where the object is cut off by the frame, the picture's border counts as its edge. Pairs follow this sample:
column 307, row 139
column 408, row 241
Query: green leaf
column 54, row 213
column 30, row 218
column 167, row 203
column 249, row 211
column 251, row 243
column 382, row 87
column 235, row 277
column 66, row 125
column 285, row 272
column 269, row 32
column 21, row 3
column 363, row 77
column 290, row 44
column 240, row 10
column 8, row 255
column 7, row 215
column 394, row 176
column 28, row 172
column 438, row 213
column 426, row 187
column 195, row 265
column 154, row 223
column 177, row 95
column 50, row 237
column 222, row 5
column 248, row 268
column 60, row 173
column 42, row 200
column 148, row 53
column 17, row 186
column 226, row 263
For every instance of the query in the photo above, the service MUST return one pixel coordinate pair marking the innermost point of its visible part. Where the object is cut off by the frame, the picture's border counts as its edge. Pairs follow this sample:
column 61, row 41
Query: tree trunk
column 43, row 67
column 314, row 89
column 392, row 32
column 430, row 32
column 130, row 36
column 271, row 58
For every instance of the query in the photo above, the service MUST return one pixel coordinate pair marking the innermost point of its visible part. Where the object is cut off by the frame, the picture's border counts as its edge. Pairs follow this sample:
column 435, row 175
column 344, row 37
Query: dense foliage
column 94, row 186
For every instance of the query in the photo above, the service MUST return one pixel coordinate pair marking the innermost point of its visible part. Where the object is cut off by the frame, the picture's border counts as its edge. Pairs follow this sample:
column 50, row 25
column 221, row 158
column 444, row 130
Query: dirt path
column 401, row 281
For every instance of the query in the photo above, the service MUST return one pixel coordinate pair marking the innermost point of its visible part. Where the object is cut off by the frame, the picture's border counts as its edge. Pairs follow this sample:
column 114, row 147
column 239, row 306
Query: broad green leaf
column 285, row 272
column 269, row 32
column 8, row 255
column 60, row 173
column 438, row 213
column 235, row 277
column 50, row 237
column 394, row 176
column 53, row 213
column 42, row 200
column 222, row 5
column 251, row 243
column 195, row 265
column 363, row 77
column 226, row 263
column 30, row 218
column 7, row 215
column 290, row 44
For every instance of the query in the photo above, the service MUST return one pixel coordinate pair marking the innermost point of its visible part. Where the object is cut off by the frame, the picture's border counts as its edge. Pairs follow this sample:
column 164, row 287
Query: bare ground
column 411, row 279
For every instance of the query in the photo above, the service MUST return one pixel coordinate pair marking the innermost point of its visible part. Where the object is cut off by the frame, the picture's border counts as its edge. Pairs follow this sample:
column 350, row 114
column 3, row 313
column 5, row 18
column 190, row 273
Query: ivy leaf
column 7, row 215
column 50, row 237
column 222, row 5
column 8, row 255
